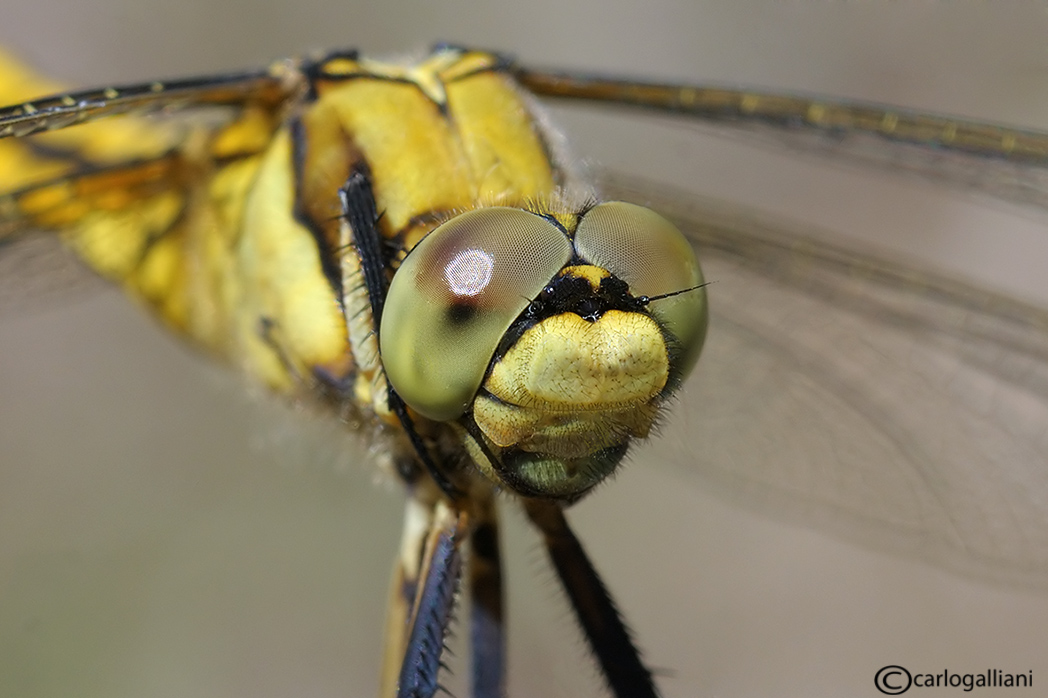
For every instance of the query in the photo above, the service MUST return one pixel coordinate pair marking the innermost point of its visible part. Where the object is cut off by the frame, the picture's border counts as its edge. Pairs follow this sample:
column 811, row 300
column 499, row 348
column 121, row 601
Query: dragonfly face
column 568, row 379
column 632, row 604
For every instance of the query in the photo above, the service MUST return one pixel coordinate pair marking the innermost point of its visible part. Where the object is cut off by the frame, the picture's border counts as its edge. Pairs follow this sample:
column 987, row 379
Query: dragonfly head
column 552, row 339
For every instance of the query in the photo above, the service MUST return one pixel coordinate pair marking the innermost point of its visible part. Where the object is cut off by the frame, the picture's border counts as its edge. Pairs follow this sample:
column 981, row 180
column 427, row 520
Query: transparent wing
column 1009, row 162
column 37, row 272
column 51, row 113
column 124, row 191
column 895, row 408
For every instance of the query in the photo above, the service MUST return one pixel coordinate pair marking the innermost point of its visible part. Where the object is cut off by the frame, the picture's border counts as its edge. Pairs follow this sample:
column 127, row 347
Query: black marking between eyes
column 571, row 294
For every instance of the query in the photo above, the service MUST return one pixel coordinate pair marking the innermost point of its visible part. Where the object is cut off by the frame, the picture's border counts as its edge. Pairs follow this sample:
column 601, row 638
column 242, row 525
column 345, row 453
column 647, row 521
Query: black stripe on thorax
column 329, row 262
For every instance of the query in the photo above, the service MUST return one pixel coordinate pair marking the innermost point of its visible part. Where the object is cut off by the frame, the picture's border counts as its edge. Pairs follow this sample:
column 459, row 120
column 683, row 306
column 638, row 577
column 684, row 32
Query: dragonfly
column 153, row 184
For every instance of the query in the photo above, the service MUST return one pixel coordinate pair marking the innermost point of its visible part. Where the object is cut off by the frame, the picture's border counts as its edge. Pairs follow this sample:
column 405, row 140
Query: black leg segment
column 594, row 608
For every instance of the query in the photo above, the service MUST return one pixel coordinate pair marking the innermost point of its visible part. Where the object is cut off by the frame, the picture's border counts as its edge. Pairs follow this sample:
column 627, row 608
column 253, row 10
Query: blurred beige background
column 163, row 535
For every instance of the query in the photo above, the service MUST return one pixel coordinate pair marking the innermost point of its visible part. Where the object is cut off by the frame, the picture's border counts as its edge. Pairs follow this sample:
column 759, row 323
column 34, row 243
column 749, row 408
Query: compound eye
column 651, row 255
column 453, row 298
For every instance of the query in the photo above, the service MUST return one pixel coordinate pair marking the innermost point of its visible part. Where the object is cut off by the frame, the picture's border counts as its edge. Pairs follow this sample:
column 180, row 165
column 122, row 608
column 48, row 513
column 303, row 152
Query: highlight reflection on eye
column 454, row 297
column 469, row 272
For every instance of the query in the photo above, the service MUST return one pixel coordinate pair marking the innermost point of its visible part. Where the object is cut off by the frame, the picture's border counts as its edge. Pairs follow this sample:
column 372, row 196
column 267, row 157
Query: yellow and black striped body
column 229, row 226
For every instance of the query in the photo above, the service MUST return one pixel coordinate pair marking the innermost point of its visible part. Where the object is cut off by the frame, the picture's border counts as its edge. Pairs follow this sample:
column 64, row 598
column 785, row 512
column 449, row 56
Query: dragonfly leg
column 487, row 627
column 418, row 518
column 425, row 581
column 594, row 608
column 358, row 208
